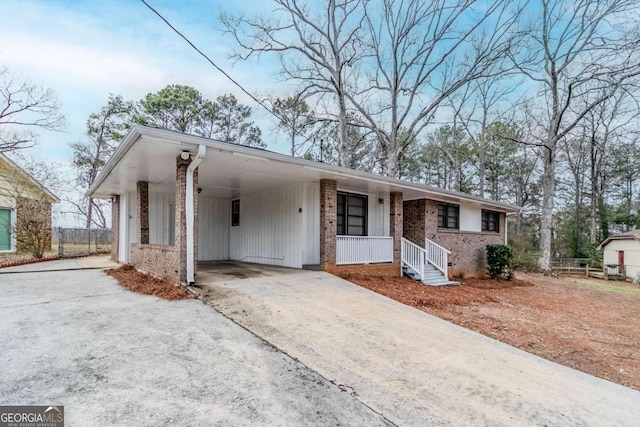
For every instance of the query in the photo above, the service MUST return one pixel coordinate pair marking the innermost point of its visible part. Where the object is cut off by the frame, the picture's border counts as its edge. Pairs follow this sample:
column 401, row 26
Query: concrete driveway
column 116, row 358
column 414, row 368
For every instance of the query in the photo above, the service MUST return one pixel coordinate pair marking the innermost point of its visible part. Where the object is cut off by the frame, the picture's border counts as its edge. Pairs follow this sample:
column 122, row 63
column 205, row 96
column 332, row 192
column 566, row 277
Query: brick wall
column 158, row 260
column 468, row 256
column 33, row 224
column 181, row 219
column 328, row 223
column 142, row 191
column 413, row 225
column 115, row 227
column 396, row 223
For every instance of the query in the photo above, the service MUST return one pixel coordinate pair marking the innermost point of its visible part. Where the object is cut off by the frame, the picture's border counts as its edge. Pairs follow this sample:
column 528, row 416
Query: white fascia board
column 335, row 172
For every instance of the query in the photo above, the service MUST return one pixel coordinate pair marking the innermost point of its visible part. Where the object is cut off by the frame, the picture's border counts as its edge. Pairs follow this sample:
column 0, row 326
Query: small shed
column 622, row 252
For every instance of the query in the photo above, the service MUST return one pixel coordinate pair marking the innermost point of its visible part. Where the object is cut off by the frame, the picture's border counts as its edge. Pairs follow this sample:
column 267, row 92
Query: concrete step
column 446, row 283
column 432, row 273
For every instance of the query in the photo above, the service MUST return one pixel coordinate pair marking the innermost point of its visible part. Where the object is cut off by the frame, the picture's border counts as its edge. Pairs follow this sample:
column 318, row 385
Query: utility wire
column 210, row 61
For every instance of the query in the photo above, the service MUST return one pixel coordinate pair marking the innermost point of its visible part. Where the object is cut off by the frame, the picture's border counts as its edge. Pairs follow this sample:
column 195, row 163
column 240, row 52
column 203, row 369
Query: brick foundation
column 158, row 260
column 468, row 253
column 328, row 223
column 115, row 227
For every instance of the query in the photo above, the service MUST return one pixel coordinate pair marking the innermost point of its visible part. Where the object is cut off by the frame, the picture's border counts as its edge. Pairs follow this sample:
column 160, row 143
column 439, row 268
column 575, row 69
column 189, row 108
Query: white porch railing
column 437, row 256
column 363, row 250
column 412, row 255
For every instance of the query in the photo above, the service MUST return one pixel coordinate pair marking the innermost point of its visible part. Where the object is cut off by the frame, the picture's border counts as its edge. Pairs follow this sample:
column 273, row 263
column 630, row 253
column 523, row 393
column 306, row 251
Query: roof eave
column 175, row 137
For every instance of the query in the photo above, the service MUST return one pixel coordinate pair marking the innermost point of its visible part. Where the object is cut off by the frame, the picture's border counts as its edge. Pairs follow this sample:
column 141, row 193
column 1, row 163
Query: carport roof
column 230, row 171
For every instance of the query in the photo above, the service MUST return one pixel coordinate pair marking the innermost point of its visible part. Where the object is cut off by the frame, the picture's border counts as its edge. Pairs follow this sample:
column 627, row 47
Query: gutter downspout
column 506, row 227
column 506, row 230
column 189, row 212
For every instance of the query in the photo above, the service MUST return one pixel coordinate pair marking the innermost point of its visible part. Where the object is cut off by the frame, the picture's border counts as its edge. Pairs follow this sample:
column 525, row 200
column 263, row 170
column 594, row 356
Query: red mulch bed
column 141, row 283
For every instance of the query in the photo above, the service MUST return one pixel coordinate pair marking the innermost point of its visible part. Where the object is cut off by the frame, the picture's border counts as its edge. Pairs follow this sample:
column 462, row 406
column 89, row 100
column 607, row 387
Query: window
column 352, row 214
column 235, row 213
column 490, row 221
column 5, row 229
column 448, row 216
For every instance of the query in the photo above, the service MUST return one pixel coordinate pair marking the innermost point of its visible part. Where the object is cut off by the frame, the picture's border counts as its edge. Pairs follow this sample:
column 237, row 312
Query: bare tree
column 420, row 54
column 295, row 120
column 476, row 107
column 105, row 129
column 318, row 47
column 576, row 52
column 24, row 108
column 604, row 128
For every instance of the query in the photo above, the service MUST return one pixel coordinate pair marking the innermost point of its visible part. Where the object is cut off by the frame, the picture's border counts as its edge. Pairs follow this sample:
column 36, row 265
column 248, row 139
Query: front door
column 620, row 258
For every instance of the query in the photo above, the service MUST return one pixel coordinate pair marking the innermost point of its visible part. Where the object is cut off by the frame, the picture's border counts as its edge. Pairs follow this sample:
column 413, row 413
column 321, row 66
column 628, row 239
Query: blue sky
column 85, row 50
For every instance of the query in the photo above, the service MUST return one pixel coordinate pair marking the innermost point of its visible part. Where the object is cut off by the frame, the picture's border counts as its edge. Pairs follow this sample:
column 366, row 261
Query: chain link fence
column 74, row 242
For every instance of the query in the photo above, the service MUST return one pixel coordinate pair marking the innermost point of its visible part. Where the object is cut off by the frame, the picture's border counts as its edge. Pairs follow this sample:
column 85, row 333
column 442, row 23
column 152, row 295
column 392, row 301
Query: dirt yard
column 590, row 325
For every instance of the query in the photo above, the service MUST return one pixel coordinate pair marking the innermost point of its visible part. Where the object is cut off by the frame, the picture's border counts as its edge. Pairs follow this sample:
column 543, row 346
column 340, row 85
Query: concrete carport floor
column 414, row 368
column 114, row 357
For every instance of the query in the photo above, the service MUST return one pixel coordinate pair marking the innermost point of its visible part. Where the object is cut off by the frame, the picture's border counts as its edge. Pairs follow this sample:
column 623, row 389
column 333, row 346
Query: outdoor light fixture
column 185, row 155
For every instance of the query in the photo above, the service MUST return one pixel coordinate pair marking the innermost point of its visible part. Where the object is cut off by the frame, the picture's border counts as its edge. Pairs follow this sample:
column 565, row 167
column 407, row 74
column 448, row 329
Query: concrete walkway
column 117, row 358
column 83, row 263
column 414, row 368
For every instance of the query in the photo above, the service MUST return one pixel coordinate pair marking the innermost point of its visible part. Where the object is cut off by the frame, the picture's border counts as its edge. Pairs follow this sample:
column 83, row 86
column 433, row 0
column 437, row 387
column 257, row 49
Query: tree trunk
column 344, row 158
column 594, row 195
column 546, row 223
column 89, row 213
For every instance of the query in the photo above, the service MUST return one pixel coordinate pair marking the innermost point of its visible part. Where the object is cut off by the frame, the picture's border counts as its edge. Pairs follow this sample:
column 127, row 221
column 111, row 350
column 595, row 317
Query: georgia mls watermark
column 31, row 416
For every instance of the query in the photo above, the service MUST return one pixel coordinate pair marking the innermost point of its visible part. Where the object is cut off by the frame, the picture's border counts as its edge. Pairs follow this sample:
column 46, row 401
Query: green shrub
column 499, row 259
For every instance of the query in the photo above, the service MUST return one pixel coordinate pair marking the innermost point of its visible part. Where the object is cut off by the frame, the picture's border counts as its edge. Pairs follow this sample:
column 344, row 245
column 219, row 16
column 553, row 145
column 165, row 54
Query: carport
column 218, row 272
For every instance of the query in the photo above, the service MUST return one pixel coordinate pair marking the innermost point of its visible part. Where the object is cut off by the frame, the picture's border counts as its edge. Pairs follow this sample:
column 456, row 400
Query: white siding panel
column 132, row 201
column 470, row 218
column 214, row 220
column 378, row 215
column 159, row 211
column 270, row 228
column 311, row 236
column 631, row 250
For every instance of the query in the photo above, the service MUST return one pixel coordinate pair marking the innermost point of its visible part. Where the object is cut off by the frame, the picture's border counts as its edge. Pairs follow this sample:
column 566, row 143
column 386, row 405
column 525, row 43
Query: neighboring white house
column 623, row 250
column 178, row 199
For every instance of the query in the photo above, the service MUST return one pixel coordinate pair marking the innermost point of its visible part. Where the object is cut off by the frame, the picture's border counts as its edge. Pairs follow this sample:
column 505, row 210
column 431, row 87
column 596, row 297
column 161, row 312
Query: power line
column 207, row 58
column 231, row 79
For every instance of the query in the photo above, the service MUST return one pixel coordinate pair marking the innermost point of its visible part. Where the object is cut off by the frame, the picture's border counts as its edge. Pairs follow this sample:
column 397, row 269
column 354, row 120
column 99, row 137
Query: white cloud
column 82, row 65
column 86, row 50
